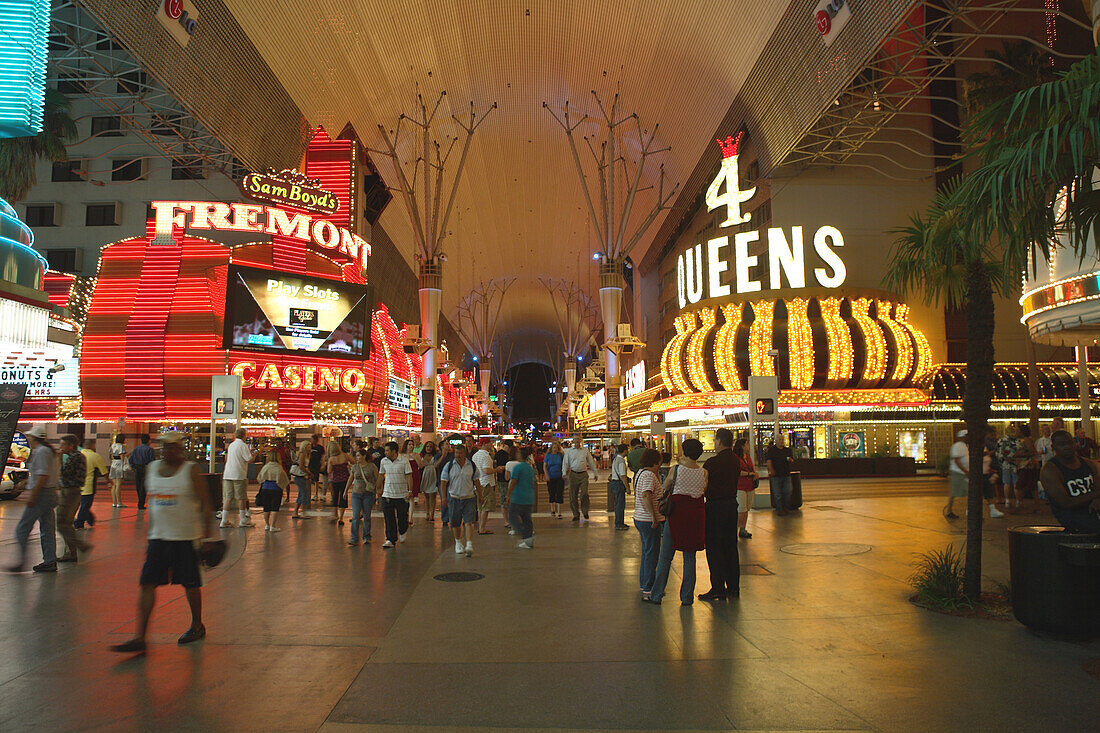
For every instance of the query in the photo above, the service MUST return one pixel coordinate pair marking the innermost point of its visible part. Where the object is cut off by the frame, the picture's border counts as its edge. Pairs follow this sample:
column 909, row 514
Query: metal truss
column 915, row 55
column 85, row 54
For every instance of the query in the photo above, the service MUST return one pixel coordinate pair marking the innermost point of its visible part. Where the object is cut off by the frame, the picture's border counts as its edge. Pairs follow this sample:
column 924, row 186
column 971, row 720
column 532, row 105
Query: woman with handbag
column 273, row 482
column 300, row 472
column 682, row 505
column 364, row 487
column 647, row 519
column 746, row 488
column 336, row 461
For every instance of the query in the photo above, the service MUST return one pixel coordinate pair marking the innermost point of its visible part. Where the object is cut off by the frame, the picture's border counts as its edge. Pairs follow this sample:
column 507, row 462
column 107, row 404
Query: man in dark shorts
column 179, row 517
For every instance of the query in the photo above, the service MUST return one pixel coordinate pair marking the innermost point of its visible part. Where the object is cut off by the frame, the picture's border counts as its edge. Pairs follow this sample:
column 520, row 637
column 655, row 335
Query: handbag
column 664, row 504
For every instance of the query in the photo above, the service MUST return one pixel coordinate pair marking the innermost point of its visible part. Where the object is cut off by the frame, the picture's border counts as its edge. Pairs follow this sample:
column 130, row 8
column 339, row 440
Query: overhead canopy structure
column 519, row 207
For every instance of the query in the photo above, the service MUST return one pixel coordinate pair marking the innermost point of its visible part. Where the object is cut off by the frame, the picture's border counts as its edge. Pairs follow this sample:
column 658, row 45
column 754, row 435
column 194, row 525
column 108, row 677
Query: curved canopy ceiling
column 520, row 209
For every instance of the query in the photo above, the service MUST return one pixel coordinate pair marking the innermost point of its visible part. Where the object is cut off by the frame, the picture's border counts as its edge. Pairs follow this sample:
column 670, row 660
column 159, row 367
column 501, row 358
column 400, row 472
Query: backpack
column 664, row 504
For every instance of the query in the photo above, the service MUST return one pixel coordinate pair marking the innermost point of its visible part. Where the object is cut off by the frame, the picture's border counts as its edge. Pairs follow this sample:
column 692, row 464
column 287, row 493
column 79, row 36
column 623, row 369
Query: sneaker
column 192, row 635
column 525, row 545
column 134, row 646
column 387, row 545
column 353, row 543
column 744, row 534
column 225, row 525
column 46, row 567
column 274, row 529
column 469, row 549
column 994, row 514
column 67, row 558
column 622, row 527
column 511, row 531
column 401, row 537
column 247, row 523
column 459, row 549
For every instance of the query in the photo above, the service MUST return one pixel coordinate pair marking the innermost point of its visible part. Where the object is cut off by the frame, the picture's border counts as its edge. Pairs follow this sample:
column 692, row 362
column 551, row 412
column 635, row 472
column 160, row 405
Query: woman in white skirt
column 429, row 479
column 118, row 470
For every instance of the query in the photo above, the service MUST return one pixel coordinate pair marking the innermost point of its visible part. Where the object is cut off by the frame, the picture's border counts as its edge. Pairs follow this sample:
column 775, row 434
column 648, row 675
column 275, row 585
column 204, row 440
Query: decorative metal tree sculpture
column 577, row 316
column 477, row 317
column 620, row 176
column 429, row 197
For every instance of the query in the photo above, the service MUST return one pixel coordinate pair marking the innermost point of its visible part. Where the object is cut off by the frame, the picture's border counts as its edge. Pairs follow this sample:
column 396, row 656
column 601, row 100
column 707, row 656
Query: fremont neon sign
column 701, row 270
column 260, row 220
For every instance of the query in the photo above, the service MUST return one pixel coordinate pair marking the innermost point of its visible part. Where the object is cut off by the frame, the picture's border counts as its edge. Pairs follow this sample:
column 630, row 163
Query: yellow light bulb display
column 874, row 370
column 903, row 365
column 801, row 338
column 725, row 348
column 672, row 362
column 697, row 368
column 924, row 351
column 760, row 339
column 839, row 338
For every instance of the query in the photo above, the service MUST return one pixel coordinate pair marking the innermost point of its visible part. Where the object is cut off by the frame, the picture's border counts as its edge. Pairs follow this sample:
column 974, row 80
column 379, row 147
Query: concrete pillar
column 611, row 303
column 431, row 294
column 1083, row 388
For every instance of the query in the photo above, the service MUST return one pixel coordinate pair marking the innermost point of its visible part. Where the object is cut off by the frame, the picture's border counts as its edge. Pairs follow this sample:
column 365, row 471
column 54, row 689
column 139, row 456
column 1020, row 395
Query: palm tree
column 936, row 257
column 18, row 155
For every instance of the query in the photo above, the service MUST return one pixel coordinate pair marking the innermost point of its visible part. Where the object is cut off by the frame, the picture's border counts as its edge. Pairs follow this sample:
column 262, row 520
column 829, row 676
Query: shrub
column 938, row 579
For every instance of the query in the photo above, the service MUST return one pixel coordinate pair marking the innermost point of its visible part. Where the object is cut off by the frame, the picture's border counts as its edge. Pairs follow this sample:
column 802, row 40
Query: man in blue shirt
column 521, row 499
column 140, row 459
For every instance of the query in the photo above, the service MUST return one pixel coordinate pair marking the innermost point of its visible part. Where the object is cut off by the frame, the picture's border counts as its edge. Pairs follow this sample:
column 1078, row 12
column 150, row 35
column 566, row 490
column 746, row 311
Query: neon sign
column 292, row 189
column 23, row 52
column 700, row 271
column 261, row 220
column 300, row 376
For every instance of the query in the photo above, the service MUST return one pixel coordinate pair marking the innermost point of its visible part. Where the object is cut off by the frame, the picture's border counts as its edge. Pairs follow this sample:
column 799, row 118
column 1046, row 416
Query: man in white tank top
column 179, row 516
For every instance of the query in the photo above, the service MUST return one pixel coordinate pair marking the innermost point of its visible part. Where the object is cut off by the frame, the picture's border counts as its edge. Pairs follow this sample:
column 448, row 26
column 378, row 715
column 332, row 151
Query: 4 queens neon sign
column 260, row 220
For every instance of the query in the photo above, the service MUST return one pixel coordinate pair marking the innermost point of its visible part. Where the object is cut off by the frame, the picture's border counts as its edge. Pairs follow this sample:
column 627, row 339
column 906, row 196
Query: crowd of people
column 686, row 507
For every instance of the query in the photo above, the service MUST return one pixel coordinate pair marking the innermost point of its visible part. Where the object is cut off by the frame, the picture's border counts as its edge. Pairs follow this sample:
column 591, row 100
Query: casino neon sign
column 701, row 271
column 302, row 377
column 214, row 215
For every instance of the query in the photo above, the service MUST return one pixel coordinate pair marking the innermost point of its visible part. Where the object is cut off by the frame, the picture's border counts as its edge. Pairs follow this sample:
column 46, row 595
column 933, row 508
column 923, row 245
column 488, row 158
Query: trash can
column 1055, row 579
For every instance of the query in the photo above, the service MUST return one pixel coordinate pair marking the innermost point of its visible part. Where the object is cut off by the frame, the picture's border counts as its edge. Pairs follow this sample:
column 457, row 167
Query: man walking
column 43, row 476
column 634, row 457
column 179, row 517
column 779, row 458
column 235, row 479
column 458, row 487
column 617, row 484
column 140, row 459
column 500, row 459
column 92, row 462
column 486, row 483
column 723, row 471
column 578, row 461
column 74, row 469
column 395, row 470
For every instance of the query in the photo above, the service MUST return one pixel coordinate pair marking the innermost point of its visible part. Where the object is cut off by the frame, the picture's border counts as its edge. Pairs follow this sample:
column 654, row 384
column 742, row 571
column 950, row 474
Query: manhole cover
column 826, row 549
column 459, row 577
column 755, row 570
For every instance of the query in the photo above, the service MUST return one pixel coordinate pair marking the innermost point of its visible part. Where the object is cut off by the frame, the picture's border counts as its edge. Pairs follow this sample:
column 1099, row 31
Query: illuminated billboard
column 268, row 310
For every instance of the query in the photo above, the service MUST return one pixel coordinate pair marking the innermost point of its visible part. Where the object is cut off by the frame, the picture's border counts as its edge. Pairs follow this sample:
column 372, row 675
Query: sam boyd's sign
column 292, row 189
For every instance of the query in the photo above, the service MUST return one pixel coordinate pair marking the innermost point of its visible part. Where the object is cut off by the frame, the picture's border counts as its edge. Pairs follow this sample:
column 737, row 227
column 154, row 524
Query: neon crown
column 731, row 145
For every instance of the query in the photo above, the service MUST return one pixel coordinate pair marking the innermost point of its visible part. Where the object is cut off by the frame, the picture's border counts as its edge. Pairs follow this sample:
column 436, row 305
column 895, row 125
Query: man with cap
column 43, row 477
column 485, row 477
column 73, row 473
column 179, row 518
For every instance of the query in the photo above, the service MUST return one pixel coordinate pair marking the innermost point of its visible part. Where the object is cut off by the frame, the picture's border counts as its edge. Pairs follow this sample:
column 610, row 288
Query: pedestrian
column 1043, row 445
column 94, row 468
column 634, row 456
column 958, row 472
column 647, row 519
column 74, row 469
column 429, row 478
column 540, row 462
column 299, row 472
column 486, row 480
column 395, row 471
column 43, row 477
column 1007, row 448
column 316, row 458
column 555, row 481
column 118, row 470
column 617, row 482
column 140, row 459
column 579, row 463
column 273, row 482
column 521, row 498
column 505, row 453
column 364, row 485
column 459, row 489
column 746, row 488
column 1086, row 446
column 685, row 525
column 446, row 455
column 779, row 459
column 724, row 470
column 1073, row 482
column 1027, row 469
column 408, row 452
column 286, row 460
column 235, row 479
column 179, row 518
column 336, row 463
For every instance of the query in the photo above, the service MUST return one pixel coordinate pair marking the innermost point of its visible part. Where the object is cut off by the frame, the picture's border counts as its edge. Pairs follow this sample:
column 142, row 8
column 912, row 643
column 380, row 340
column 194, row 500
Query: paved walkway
column 309, row 634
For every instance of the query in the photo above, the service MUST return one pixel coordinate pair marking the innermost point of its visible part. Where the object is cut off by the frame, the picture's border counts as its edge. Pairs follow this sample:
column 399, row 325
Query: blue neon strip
column 24, row 27
column 17, row 235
